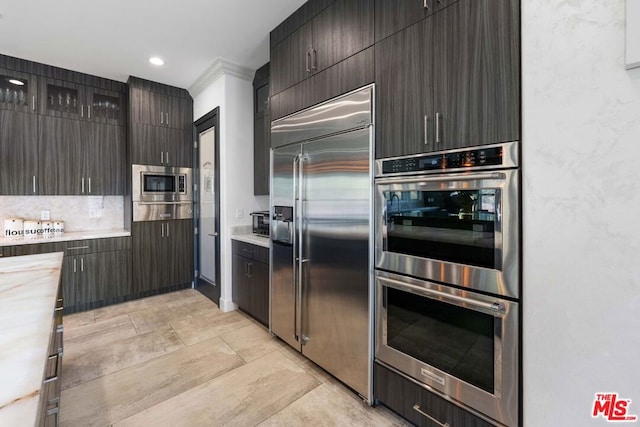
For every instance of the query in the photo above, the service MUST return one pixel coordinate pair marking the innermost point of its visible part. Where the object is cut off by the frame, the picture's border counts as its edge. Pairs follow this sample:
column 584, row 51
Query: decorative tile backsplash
column 79, row 213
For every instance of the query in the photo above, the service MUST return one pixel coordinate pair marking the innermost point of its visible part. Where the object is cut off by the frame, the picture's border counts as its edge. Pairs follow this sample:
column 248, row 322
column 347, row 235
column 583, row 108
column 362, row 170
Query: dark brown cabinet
column 90, row 279
column 418, row 405
column 162, row 255
column 337, row 33
column 155, row 145
column 18, row 91
column 261, row 131
column 80, row 158
column 160, row 124
column 250, row 286
column 95, row 272
column 352, row 73
column 451, row 80
column 19, row 153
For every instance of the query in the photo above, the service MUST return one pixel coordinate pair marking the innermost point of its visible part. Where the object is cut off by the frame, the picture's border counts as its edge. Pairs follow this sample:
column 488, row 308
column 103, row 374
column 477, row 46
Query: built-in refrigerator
column 321, row 251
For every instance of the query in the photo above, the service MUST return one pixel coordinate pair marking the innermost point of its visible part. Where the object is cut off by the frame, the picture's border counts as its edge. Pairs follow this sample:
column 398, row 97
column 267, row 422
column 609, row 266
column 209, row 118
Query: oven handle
column 441, row 178
column 496, row 309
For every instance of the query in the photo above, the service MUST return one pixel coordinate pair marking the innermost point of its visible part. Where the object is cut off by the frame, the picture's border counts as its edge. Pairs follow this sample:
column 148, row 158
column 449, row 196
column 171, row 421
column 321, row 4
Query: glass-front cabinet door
column 62, row 99
column 18, row 91
column 104, row 106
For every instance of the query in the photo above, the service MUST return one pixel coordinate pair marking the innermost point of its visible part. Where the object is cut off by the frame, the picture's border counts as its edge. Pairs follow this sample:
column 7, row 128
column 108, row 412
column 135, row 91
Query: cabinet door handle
column 33, row 103
column 438, row 128
column 82, row 110
column 75, row 266
column 308, row 59
column 161, row 118
column 314, row 60
column 82, row 185
column 34, row 184
column 82, row 264
column 416, row 408
column 167, row 121
column 426, row 130
column 161, row 229
column 167, row 229
column 167, row 157
column 162, row 157
column 89, row 185
column 89, row 111
column 426, row 6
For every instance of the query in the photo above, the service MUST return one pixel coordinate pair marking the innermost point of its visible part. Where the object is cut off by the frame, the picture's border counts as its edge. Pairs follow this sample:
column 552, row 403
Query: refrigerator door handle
column 301, row 260
column 296, row 255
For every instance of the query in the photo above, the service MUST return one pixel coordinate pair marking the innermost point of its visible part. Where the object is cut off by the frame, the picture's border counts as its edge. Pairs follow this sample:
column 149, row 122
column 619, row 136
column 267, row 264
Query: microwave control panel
column 465, row 159
column 182, row 183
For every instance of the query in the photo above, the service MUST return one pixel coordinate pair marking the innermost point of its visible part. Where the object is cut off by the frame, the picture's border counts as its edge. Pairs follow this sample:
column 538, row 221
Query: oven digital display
column 158, row 183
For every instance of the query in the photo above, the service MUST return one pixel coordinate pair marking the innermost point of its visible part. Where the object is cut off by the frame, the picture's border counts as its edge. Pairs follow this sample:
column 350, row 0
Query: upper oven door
column 460, row 229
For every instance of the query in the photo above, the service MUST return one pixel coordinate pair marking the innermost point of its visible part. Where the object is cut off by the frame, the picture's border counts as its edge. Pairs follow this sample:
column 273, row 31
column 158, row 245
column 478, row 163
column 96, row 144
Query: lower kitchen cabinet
column 162, row 255
column 417, row 404
column 251, row 279
column 89, row 280
column 95, row 272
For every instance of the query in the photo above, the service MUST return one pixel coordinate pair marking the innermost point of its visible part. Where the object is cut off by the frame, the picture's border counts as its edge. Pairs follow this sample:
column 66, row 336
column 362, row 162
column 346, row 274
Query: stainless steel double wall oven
column 448, row 276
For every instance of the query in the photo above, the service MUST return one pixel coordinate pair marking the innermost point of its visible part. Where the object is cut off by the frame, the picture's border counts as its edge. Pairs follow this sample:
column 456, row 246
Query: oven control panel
column 462, row 159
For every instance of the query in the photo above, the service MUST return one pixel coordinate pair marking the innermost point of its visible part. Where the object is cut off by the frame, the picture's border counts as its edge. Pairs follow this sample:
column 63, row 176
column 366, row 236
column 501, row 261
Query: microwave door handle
column 441, row 178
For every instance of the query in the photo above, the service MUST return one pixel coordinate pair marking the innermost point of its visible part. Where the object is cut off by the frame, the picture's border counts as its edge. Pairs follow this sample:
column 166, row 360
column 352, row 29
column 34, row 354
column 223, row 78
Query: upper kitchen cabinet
column 160, row 124
column 261, row 131
column 105, row 106
column 395, row 15
column 19, row 153
column 18, row 91
column 60, row 98
column 451, row 80
column 339, row 31
column 477, row 73
column 78, row 158
column 297, row 19
column 159, row 105
column 404, row 91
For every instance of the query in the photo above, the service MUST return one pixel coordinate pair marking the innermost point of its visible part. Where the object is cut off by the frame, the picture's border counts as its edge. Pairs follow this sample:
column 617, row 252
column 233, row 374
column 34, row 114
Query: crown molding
column 219, row 68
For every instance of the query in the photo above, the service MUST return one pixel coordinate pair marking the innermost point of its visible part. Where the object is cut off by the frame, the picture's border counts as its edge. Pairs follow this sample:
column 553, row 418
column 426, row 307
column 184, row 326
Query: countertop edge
column 69, row 236
column 252, row 239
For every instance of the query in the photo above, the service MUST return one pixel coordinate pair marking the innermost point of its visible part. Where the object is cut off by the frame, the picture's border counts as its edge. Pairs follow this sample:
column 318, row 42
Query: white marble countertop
column 252, row 238
column 72, row 235
column 28, row 291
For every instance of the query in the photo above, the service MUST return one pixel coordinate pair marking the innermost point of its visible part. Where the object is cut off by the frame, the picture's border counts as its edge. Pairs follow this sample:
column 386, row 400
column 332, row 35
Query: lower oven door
column 461, row 345
column 452, row 228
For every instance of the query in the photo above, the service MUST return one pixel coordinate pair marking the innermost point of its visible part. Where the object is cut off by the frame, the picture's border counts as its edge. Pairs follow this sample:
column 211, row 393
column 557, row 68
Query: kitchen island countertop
column 71, row 235
column 28, row 292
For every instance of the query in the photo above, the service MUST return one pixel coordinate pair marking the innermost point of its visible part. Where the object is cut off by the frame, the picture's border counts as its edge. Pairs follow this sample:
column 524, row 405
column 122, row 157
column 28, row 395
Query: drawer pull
column 55, row 376
column 78, row 247
column 418, row 410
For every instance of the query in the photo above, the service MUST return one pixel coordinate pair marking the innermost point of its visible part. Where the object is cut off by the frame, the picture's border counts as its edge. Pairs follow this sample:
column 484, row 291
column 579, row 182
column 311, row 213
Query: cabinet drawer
column 408, row 398
column 253, row 252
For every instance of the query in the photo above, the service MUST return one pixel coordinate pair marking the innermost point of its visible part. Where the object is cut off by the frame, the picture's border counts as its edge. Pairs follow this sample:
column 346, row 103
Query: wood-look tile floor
column 176, row 360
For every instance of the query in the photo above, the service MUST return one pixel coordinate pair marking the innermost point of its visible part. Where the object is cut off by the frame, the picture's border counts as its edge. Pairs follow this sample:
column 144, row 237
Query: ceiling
column 115, row 38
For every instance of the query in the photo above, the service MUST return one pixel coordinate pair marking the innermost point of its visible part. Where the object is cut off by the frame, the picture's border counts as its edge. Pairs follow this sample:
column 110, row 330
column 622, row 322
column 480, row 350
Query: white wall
column 581, row 201
column 234, row 96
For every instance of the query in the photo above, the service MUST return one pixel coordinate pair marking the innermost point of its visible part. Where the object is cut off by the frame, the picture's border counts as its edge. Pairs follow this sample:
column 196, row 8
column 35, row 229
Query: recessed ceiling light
column 155, row 60
column 16, row 82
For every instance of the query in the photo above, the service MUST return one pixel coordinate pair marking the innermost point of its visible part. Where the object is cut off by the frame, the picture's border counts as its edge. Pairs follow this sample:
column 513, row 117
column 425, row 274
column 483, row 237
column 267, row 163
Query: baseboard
column 227, row 305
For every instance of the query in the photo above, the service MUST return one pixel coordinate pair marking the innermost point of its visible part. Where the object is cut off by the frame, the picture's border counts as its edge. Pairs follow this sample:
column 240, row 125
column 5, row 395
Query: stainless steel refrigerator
column 321, row 297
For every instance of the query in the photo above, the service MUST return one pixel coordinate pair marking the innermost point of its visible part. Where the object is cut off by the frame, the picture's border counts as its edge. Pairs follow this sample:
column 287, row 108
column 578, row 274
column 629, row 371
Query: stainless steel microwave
column 161, row 183
column 161, row 193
